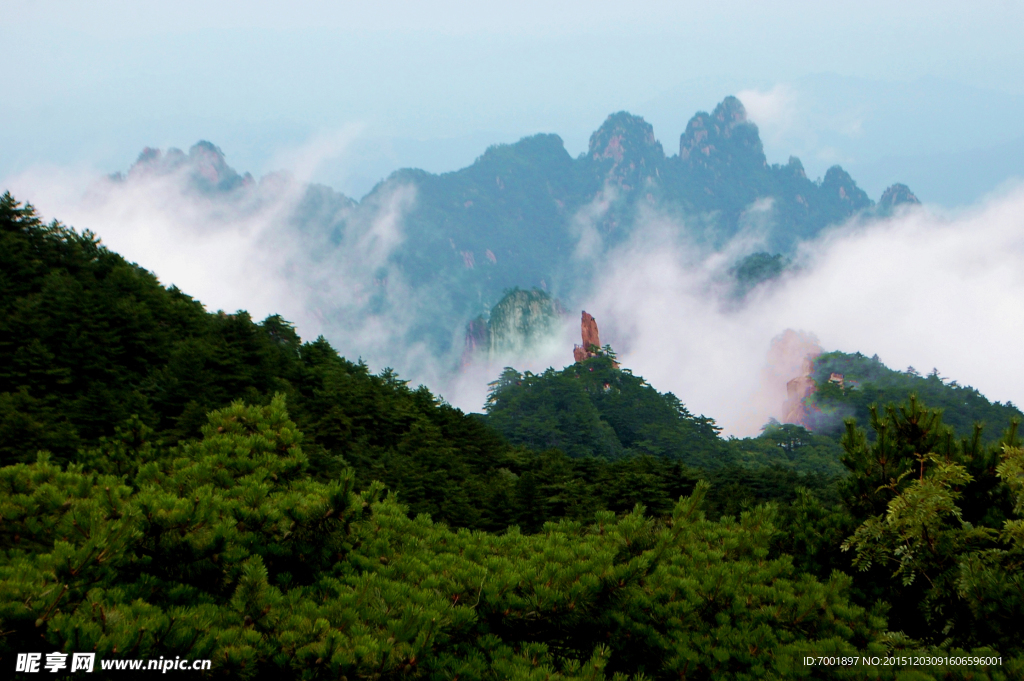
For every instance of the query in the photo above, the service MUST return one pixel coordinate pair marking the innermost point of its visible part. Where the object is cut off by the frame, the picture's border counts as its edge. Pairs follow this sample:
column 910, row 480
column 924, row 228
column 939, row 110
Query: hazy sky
column 886, row 89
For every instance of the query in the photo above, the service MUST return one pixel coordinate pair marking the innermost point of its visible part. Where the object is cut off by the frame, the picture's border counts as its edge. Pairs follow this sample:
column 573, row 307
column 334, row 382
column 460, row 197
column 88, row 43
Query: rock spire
column 591, row 339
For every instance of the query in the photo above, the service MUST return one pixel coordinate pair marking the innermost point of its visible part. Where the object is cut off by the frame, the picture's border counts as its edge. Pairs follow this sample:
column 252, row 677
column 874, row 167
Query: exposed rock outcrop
column 798, row 390
column 476, row 341
column 591, row 341
column 520, row 322
column 588, row 326
column 789, row 365
column 840, row 187
column 625, row 151
column 723, row 137
column 518, row 325
column 895, row 196
column 204, row 164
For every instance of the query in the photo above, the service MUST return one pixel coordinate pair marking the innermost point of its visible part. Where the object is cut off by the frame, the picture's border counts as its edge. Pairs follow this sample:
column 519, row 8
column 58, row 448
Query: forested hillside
column 175, row 482
column 866, row 381
column 595, row 409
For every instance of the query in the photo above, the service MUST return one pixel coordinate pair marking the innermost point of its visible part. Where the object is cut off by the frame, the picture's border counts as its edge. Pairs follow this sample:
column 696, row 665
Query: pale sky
column 890, row 90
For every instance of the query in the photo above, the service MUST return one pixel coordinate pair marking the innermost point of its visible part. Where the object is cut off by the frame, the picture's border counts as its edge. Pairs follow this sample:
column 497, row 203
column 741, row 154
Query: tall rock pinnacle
column 591, row 340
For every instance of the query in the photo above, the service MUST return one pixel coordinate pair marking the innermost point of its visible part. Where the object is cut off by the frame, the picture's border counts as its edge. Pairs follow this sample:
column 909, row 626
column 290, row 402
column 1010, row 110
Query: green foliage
column 224, row 548
column 938, row 518
column 101, row 363
column 756, row 269
column 867, row 381
column 593, row 408
column 792, row 447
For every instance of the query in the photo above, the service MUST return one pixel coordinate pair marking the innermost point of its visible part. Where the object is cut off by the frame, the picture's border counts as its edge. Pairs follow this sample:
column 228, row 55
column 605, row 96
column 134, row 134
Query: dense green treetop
column 792, row 447
column 938, row 535
column 593, row 408
column 756, row 269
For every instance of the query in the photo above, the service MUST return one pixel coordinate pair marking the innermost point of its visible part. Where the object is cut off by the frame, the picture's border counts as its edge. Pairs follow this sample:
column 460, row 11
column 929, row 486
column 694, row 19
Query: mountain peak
column 896, row 195
column 625, row 150
column 724, row 136
column 620, row 132
column 839, row 184
column 625, row 138
column 205, row 164
column 730, row 111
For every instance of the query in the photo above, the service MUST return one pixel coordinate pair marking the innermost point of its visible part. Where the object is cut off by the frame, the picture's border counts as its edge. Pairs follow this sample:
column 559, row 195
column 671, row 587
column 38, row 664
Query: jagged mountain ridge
column 513, row 218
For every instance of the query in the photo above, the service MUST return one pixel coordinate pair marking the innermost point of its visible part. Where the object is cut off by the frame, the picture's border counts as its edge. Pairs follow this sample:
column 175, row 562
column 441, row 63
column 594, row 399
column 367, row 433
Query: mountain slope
column 866, row 381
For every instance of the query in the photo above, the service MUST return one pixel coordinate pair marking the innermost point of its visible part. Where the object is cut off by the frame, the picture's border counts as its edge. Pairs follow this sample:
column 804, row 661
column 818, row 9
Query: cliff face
column 588, row 326
column 797, row 390
column 787, row 376
column 724, row 137
column 476, row 340
column 519, row 321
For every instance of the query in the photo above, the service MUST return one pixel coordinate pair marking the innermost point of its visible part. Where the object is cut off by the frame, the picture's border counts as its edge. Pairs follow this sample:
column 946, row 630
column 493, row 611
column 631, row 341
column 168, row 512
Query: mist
column 924, row 288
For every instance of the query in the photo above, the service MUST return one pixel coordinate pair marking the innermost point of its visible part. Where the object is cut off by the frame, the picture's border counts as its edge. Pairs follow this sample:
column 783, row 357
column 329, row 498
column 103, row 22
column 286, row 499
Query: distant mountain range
column 528, row 215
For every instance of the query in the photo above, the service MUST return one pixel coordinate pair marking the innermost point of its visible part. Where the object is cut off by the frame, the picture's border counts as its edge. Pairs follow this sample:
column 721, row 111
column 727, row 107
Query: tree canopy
column 181, row 483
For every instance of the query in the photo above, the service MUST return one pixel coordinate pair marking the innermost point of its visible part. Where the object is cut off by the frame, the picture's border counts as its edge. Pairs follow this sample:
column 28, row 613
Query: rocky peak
column 519, row 322
column 624, row 137
column 795, row 167
column 207, row 161
column 205, row 165
column 789, row 364
column 838, row 185
column 896, row 195
column 626, row 144
column 541, row 148
column 724, row 136
column 731, row 112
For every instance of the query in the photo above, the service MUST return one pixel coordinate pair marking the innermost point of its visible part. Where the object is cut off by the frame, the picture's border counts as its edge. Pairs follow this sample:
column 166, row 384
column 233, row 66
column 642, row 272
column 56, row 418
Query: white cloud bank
column 921, row 289
column 774, row 111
